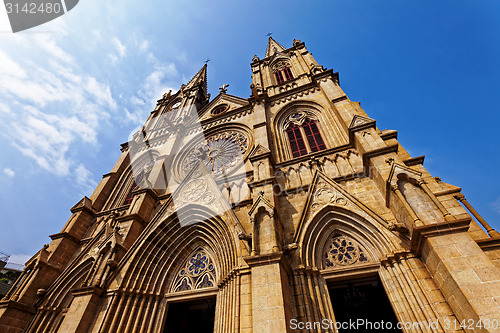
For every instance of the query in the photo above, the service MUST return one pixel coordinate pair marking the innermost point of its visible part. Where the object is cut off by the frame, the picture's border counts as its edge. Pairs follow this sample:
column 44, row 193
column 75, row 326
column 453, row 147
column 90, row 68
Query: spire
column 273, row 47
column 199, row 79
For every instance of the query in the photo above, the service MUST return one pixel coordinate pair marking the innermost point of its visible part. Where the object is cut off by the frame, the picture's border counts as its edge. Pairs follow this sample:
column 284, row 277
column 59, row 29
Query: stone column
column 491, row 232
column 271, row 301
column 254, row 236
column 447, row 216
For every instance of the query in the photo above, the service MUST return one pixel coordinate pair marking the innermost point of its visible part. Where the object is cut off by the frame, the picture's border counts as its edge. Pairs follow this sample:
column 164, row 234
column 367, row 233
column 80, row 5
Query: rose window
column 343, row 251
column 221, row 153
column 198, row 272
column 197, row 264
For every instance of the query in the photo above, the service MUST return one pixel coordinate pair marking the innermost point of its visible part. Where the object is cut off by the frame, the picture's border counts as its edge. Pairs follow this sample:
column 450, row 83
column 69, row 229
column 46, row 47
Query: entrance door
column 362, row 301
column 196, row 316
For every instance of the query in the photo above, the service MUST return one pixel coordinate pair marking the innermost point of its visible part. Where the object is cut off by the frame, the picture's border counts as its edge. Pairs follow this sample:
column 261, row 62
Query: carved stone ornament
column 280, row 65
column 361, row 121
column 325, row 195
column 298, row 118
column 196, row 191
column 343, row 251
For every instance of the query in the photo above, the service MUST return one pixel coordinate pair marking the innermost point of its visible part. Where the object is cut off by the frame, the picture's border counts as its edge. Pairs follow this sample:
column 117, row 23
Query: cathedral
column 287, row 211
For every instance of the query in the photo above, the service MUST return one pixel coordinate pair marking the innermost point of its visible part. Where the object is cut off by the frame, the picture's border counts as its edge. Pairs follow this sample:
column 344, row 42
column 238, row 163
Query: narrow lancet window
column 296, row 141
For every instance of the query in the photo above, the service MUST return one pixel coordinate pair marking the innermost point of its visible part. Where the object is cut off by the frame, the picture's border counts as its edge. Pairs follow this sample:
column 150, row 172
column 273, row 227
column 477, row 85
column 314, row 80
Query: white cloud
column 9, row 172
column 10, row 68
column 47, row 42
column 84, row 178
column 144, row 45
column 120, row 48
column 152, row 88
column 19, row 258
column 4, row 108
column 57, row 105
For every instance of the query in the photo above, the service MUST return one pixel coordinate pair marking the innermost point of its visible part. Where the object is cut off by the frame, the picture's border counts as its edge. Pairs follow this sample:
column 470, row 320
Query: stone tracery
column 198, row 272
column 343, row 251
column 220, row 153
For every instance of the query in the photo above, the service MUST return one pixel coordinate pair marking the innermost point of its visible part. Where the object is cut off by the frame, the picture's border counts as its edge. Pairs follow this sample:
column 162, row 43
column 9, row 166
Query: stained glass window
column 279, row 77
column 343, row 251
column 299, row 125
column 198, row 272
column 282, row 72
column 296, row 141
column 313, row 136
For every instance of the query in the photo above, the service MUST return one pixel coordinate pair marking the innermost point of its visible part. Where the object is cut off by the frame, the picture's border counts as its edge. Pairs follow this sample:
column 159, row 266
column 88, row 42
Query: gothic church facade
column 263, row 214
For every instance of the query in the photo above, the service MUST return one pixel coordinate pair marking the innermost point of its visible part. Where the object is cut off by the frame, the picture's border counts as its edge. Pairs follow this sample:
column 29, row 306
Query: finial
column 223, row 89
column 208, row 59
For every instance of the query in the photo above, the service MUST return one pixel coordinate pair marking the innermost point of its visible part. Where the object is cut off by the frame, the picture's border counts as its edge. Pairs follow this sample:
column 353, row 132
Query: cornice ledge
column 325, row 74
column 317, row 154
column 265, row 259
column 277, row 99
column 414, row 161
column 339, row 99
column 90, row 290
column 420, row 234
column 17, row 305
column 377, row 152
column 149, row 191
column 133, row 216
column 489, row 243
column 270, row 180
column 84, row 205
column 65, row 235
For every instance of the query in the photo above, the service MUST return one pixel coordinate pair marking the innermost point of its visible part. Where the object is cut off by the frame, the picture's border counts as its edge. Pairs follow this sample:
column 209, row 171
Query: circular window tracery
column 343, row 251
column 221, row 153
column 198, row 272
column 220, row 109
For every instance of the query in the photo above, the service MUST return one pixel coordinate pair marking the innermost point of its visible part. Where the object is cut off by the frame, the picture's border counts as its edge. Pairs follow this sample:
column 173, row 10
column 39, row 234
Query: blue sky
column 73, row 89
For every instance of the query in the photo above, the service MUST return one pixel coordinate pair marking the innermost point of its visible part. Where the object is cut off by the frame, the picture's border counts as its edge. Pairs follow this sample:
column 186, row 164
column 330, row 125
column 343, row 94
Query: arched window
column 282, row 72
column 300, row 126
column 135, row 185
column 296, row 141
column 313, row 136
column 220, row 109
column 198, row 272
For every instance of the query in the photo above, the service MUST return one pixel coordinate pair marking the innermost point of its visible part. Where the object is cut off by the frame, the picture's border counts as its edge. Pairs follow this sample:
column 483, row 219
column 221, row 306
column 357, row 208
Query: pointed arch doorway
column 364, row 301
column 192, row 301
column 355, row 290
column 197, row 315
